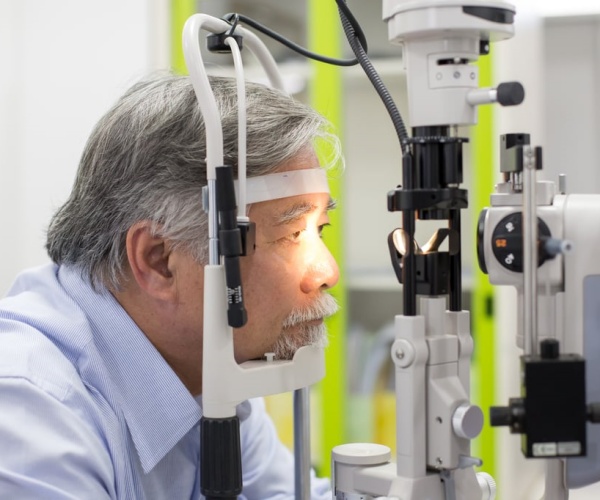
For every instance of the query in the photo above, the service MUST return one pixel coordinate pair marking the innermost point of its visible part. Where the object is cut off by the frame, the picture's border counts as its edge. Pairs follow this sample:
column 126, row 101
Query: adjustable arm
column 230, row 246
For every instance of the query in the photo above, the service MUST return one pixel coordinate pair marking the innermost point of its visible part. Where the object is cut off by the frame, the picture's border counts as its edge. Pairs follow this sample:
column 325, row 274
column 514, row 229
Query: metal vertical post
column 302, row 443
column 530, row 259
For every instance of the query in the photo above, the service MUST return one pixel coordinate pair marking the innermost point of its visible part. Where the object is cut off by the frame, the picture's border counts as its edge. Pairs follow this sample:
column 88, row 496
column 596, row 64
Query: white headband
column 284, row 184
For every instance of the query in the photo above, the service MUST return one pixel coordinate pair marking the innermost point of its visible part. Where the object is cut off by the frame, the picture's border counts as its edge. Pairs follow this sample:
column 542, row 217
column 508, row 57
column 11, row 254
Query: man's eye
column 292, row 238
column 321, row 227
column 295, row 236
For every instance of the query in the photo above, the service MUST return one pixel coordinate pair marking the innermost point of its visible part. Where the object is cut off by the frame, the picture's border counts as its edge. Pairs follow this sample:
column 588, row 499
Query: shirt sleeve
column 48, row 450
column 267, row 465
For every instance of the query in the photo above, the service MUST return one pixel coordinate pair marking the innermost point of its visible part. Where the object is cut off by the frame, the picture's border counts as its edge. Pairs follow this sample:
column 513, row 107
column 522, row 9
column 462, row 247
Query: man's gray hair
column 145, row 160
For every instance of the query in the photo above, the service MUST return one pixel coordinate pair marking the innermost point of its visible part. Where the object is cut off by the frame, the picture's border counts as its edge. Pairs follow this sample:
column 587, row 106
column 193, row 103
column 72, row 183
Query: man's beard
column 297, row 333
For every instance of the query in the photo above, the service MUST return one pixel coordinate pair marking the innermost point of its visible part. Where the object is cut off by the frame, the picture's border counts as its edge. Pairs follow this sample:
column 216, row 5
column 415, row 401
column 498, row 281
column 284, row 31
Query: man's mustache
column 324, row 306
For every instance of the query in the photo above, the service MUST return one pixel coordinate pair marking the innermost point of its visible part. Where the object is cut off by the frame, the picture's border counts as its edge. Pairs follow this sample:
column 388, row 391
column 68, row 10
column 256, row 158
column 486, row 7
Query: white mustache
column 324, row 306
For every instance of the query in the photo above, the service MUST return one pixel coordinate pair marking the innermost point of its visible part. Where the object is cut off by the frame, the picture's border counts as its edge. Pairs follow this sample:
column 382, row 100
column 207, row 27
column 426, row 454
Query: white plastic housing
column 434, row 33
column 568, row 295
column 225, row 384
column 431, row 354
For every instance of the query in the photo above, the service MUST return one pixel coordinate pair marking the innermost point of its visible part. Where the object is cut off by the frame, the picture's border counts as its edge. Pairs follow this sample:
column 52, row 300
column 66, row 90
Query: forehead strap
column 285, row 184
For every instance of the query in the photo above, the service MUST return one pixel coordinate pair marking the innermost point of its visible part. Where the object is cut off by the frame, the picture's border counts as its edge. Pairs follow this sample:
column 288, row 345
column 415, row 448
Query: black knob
column 512, row 415
column 480, row 241
column 500, row 415
column 593, row 413
column 549, row 349
column 510, row 93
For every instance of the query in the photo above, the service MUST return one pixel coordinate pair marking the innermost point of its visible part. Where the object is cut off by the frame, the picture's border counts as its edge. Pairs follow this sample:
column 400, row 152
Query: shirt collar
column 158, row 408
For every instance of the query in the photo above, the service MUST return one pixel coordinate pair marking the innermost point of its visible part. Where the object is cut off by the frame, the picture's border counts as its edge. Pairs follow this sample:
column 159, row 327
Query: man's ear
column 149, row 258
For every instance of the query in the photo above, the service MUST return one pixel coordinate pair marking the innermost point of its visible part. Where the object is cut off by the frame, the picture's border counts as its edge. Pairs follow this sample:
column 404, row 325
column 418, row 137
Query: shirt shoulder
column 50, row 449
column 43, row 334
column 28, row 355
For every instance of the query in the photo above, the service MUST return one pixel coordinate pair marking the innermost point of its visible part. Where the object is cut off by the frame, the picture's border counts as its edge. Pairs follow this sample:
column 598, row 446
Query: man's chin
column 292, row 339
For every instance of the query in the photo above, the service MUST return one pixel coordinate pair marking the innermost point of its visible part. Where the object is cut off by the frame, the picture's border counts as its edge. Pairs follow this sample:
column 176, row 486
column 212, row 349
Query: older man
column 100, row 352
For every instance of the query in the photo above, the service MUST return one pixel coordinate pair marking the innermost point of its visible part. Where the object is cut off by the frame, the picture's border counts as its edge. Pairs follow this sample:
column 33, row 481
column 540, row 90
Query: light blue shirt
column 90, row 410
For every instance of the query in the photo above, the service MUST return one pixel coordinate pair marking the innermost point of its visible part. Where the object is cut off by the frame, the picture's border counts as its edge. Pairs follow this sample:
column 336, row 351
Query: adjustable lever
column 506, row 94
column 231, row 246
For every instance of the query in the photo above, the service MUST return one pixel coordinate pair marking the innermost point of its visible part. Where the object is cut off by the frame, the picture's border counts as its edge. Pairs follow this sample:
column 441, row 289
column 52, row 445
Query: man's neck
column 159, row 323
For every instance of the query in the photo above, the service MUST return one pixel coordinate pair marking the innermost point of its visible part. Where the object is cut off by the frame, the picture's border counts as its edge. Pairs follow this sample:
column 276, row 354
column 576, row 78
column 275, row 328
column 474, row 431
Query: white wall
column 64, row 63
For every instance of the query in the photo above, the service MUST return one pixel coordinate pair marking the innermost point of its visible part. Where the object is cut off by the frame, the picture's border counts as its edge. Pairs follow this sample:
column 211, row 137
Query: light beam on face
column 303, row 326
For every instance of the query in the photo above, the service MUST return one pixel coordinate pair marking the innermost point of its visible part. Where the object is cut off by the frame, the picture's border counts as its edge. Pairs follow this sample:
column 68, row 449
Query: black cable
column 350, row 24
column 358, row 32
column 289, row 44
column 358, row 43
column 234, row 23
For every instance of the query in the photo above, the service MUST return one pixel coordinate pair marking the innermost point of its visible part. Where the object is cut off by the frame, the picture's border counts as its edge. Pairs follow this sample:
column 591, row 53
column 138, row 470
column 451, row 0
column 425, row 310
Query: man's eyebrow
column 299, row 210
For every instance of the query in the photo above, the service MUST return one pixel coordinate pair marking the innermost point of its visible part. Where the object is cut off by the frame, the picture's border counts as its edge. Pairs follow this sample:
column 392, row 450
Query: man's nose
column 322, row 272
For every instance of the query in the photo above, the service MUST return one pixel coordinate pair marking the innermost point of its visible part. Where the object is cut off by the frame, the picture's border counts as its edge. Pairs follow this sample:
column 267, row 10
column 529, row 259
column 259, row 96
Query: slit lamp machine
column 533, row 236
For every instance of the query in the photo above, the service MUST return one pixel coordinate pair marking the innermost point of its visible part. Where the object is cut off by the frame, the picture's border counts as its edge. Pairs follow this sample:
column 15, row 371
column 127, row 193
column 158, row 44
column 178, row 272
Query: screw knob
column 467, row 421
column 487, row 485
column 549, row 349
column 510, row 93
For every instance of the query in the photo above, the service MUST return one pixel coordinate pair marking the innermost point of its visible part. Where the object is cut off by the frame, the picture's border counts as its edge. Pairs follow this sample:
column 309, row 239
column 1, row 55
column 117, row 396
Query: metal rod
column 302, row 443
column 455, row 275
column 555, row 486
column 530, row 258
column 213, row 225
column 409, row 277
